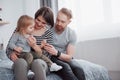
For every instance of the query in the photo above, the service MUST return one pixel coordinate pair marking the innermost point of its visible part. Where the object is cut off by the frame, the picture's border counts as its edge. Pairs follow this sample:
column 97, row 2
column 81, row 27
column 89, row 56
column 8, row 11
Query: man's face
column 61, row 22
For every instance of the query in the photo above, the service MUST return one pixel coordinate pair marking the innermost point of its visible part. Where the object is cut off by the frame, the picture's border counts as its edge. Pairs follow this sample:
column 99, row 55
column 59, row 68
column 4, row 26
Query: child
column 18, row 43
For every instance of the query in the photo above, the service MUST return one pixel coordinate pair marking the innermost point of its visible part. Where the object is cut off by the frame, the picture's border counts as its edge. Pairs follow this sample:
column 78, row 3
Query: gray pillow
column 3, row 55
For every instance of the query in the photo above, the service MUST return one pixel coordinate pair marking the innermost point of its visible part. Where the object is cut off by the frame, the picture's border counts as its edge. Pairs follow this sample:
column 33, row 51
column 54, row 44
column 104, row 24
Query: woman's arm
column 32, row 42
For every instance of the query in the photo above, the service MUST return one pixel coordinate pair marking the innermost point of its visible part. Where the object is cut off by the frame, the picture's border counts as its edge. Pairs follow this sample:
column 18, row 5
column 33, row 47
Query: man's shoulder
column 71, row 34
column 70, row 31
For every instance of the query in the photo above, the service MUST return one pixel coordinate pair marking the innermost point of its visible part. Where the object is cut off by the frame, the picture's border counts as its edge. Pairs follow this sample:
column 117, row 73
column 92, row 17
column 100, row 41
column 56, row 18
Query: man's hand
column 49, row 48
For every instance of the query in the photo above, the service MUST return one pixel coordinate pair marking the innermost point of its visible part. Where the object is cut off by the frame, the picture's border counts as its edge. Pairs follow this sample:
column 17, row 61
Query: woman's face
column 40, row 22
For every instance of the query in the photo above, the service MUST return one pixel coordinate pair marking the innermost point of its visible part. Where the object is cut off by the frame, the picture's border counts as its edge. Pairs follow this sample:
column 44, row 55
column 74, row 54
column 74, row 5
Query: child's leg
column 28, row 57
column 41, row 56
column 46, row 59
column 53, row 66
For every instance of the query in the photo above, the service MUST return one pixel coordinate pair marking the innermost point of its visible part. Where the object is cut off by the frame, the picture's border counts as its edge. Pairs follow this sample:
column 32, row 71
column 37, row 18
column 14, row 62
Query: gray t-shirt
column 18, row 40
column 61, row 41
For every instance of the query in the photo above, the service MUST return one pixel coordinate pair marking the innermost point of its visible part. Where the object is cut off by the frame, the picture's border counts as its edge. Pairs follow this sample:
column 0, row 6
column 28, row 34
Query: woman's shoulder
column 48, row 31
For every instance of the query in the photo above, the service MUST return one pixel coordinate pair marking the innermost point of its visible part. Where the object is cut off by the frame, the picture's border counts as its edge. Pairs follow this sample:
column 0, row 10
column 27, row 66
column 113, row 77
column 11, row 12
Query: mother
column 43, row 21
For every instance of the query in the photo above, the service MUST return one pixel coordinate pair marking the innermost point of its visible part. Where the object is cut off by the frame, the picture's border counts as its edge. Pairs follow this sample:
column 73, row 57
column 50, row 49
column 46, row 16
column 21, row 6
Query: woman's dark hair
column 47, row 14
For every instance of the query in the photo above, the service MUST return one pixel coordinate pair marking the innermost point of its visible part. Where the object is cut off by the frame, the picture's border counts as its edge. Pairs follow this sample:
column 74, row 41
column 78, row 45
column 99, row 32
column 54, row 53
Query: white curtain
column 50, row 3
column 94, row 19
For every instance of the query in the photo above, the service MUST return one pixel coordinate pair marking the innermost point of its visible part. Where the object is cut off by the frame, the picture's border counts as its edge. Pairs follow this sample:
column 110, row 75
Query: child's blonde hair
column 23, row 22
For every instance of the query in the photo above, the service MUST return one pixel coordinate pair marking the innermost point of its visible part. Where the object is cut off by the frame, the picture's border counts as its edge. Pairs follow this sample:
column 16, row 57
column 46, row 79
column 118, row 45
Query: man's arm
column 63, row 56
column 70, row 50
column 69, row 53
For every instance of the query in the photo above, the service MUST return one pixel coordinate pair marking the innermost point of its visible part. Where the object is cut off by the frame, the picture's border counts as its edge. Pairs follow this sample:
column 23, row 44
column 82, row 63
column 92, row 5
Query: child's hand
column 43, row 43
column 31, row 41
column 18, row 49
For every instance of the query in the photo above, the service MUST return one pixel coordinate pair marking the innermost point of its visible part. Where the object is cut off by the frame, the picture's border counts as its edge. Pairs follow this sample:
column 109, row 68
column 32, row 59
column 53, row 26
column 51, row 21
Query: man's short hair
column 67, row 12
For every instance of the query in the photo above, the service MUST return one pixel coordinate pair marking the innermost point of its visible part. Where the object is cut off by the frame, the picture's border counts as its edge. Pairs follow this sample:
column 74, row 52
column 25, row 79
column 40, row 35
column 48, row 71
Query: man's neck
column 58, row 31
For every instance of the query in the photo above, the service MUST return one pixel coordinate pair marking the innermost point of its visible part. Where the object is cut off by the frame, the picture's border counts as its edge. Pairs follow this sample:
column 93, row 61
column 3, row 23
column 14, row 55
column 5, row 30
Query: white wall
column 105, row 52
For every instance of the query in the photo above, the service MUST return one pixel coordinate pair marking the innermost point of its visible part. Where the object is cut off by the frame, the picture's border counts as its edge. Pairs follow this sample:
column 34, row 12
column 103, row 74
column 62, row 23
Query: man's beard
column 59, row 28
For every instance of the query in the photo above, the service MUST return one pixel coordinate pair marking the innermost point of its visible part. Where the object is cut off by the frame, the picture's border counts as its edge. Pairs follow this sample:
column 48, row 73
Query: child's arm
column 13, row 41
column 18, row 49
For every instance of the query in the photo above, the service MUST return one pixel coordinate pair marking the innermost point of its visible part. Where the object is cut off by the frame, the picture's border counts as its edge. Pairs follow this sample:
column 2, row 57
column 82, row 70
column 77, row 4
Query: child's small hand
column 31, row 40
column 43, row 43
column 18, row 49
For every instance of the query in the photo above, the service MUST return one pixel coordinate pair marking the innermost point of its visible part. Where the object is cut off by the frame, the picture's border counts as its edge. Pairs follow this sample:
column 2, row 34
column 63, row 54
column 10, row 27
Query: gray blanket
column 92, row 71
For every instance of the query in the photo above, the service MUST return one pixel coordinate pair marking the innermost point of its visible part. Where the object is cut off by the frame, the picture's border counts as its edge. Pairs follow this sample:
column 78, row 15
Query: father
column 64, row 46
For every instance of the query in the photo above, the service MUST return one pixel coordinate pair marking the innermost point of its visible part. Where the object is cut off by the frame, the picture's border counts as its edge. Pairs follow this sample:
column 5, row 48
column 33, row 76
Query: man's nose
column 59, row 23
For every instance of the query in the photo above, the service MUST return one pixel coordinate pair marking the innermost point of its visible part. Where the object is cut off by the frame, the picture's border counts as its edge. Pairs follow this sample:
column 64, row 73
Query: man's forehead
column 61, row 16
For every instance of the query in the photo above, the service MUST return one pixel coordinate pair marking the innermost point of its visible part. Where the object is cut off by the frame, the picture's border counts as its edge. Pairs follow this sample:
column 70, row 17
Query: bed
column 92, row 71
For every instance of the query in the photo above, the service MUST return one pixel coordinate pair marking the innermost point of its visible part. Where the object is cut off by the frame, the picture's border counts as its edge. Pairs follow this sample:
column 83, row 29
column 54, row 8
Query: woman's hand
column 49, row 48
column 13, row 56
